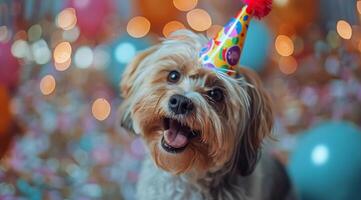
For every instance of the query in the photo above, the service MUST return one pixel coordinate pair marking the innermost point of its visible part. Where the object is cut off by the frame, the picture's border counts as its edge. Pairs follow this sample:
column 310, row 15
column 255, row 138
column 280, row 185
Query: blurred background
column 61, row 63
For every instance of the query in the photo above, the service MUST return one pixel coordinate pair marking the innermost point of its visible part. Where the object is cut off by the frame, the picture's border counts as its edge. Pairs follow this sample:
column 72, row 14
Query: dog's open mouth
column 176, row 135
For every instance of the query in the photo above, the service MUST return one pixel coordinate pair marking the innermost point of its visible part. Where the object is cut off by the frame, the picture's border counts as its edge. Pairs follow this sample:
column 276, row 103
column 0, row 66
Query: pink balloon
column 92, row 15
column 9, row 67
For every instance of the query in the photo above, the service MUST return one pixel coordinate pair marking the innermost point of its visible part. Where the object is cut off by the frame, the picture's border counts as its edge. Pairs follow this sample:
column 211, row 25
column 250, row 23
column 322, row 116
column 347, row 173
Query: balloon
column 158, row 12
column 9, row 67
column 92, row 15
column 290, row 17
column 123, row 50
column 256, row 48
column 326, row 165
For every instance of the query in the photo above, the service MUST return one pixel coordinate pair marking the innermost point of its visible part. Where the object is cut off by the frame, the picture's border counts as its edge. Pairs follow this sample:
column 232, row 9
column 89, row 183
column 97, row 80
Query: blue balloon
column 256, row 47
column 326, row 165
column 123, row 50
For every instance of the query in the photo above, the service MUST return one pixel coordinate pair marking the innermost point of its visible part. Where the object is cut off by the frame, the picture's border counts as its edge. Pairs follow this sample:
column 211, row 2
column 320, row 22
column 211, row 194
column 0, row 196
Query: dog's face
column 192, row 118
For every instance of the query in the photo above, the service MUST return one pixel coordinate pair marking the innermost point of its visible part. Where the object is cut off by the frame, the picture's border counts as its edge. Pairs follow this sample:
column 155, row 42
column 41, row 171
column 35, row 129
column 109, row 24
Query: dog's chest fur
column 157, row 184
column 269, row 181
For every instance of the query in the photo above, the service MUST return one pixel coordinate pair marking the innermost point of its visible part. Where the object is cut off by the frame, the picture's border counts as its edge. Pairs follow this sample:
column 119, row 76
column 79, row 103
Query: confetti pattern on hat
column 223, row 52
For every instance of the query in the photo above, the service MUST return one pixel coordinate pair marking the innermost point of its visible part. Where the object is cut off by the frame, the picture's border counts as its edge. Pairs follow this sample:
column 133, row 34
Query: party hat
column 223, row 52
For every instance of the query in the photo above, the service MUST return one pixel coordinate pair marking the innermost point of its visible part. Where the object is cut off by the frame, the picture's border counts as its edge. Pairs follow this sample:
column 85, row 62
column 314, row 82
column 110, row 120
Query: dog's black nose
column 180, row 104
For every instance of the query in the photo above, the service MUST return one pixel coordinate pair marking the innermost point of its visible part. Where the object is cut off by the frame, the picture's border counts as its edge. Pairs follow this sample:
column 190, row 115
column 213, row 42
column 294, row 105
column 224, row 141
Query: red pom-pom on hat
column 259, row 8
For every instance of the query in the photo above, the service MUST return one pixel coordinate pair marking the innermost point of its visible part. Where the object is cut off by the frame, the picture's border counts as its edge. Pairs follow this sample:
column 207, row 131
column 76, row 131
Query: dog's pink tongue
column 175, row 136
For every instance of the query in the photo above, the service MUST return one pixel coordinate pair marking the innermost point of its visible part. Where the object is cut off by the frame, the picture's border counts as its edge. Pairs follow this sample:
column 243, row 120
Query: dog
column 203, row 129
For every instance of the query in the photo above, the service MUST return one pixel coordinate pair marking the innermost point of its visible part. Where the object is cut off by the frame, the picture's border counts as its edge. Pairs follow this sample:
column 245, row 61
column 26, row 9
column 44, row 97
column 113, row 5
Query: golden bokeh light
column 284, row 45
column 288, row 65
column 138, row 27
column 62, row 52
column 281, row 3
column 344, row 29
column 199, row 19
column 172, row 26
column 62, row 66
column 358, row 5
column 101, row 109
column 213, row 31
column 66, row 19
column 47, row 84
column 185, row 5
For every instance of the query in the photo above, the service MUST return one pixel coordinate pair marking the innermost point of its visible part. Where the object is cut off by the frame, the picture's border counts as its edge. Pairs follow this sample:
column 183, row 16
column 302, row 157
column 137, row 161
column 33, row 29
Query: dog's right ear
column 127, row 87
column 259, row 123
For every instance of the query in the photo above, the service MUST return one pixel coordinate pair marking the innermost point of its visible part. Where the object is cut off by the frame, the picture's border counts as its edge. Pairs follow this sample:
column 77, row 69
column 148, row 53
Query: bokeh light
column 47, row 84
column 101, row 109
column 281, row 3
column 81, row 3
column 344, row 29
column 138, row 27
column 172, row 26
column 20, row 49
column 20, row 35
column 185, row 5
column 199, row 19
column 213, row 31
column 4, row 33
column 288, row 65
column 66, row 19
column 34, row 32
column 319, row 155
column 62, row 66
column 41, row 52
column 284, row 45
column 84, row 57
column 62, row 52
column 332, row 65
column 358, row 5
column 125, row 52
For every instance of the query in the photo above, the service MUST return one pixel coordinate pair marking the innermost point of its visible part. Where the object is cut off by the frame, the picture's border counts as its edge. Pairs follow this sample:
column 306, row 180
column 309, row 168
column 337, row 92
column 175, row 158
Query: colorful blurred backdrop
column 61, row 62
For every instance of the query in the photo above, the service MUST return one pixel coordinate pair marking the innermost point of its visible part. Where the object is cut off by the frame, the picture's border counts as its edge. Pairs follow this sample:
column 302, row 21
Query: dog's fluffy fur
column 217, row 164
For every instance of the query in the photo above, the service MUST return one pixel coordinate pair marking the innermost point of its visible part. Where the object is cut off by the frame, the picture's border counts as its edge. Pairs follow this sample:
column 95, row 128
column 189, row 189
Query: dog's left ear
column 129, row 84
column 259, row 124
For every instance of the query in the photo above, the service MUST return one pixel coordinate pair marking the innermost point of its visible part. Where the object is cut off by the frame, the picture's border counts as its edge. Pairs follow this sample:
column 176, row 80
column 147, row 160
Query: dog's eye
column 216, row 94
column 173, row 76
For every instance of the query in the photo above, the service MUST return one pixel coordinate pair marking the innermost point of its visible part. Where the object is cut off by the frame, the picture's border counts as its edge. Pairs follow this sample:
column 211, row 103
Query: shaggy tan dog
column 203, row 129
